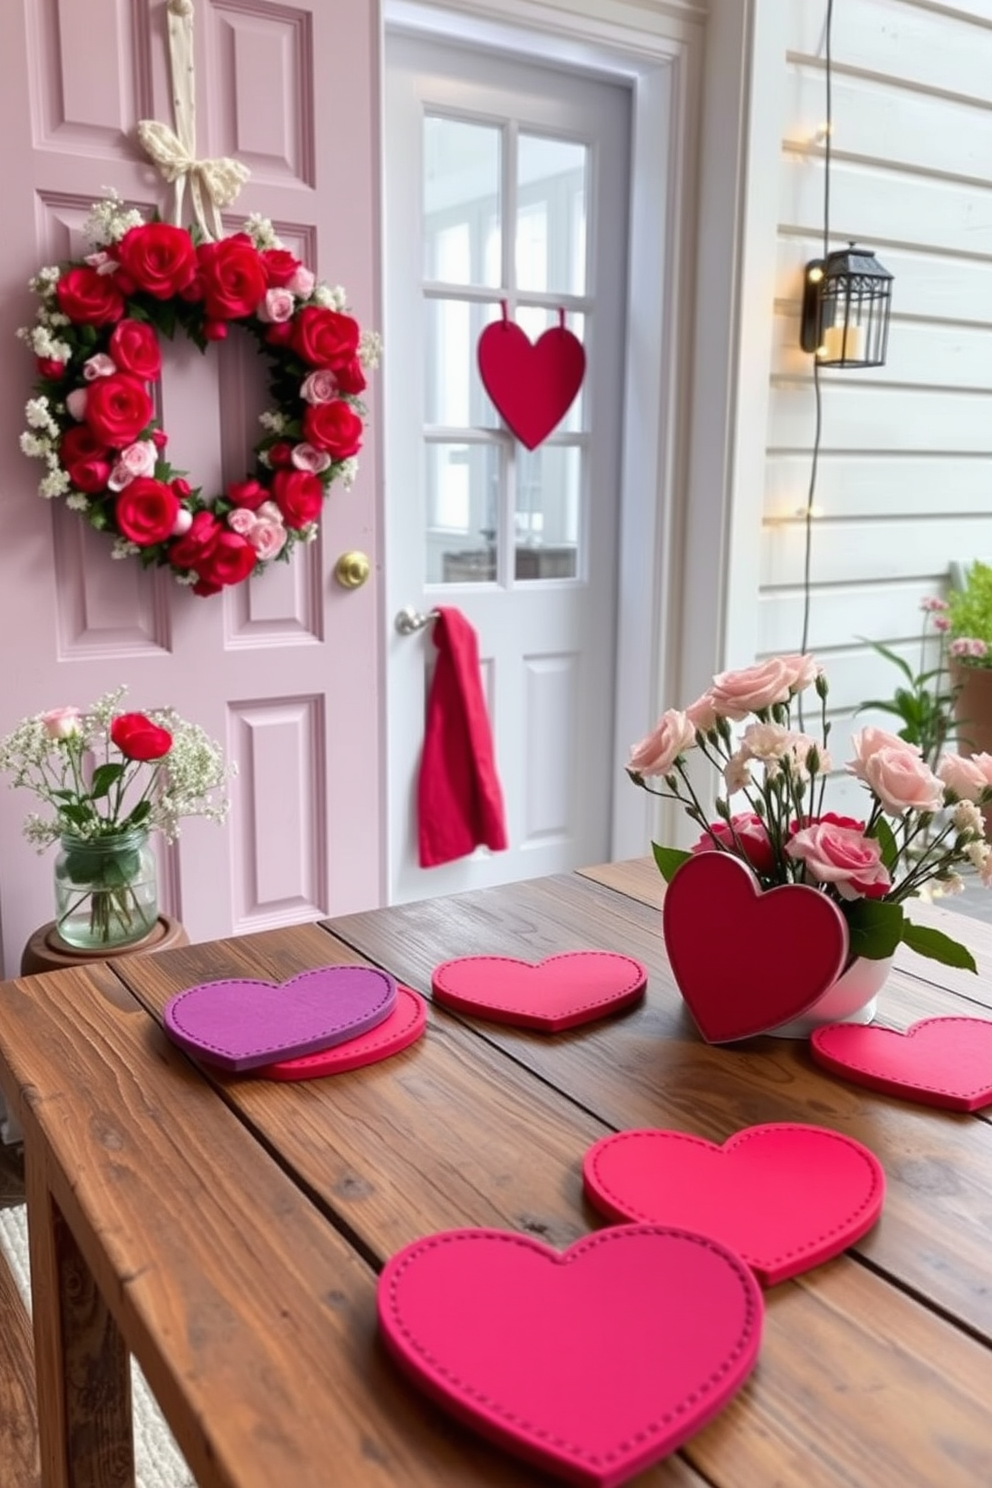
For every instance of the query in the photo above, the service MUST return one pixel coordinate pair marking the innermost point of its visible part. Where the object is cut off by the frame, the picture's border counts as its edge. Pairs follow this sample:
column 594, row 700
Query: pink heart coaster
column 593, row 1363
column 559, row 992
column 746, row 961
column 938, row 1061
column 532, row 384
column 784, row 1197
column 404, row 1025
column 242, row 1024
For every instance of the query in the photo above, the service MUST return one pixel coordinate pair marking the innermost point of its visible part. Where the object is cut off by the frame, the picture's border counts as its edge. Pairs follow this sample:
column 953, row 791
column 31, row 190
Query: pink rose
column 736, row 694
column 319, row 387
column 302, row 282
column 895, row 773
column 803, row 670
column 76, row 403
column 745, row 836
column 655, row 755
column 306, row 457
column 183, row 522
column 99, row 365
column 267, row 538
column 845, row 858
column 276, row 306
column 61, row 723
column 241, row 520
column 137, row 459
column 702, row 714
column 967, row 778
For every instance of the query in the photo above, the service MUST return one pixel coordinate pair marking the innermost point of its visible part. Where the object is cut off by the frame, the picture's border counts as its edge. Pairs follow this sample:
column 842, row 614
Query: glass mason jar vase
column 106, row 890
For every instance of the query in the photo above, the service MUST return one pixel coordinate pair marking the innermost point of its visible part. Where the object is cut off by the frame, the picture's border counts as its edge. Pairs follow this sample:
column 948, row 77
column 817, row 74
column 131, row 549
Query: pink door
column 282, row 670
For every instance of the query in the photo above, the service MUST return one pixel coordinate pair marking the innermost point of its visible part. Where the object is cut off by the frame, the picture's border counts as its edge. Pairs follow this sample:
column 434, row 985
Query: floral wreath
column 96, row 343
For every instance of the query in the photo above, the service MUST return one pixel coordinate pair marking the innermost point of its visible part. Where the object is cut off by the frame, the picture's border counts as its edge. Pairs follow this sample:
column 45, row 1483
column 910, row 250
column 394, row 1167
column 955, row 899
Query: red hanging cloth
column 459, row 798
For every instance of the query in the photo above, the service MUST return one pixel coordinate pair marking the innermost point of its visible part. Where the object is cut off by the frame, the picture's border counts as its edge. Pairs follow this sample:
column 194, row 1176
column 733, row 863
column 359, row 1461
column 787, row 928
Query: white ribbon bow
column 213, row 183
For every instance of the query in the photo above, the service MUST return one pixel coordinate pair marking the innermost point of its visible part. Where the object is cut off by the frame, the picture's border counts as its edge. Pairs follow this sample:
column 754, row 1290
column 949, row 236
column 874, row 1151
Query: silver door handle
column 409, row 621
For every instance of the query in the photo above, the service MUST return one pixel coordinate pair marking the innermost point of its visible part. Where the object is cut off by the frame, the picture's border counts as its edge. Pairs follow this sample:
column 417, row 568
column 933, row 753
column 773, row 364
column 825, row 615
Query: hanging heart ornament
column 532, row 384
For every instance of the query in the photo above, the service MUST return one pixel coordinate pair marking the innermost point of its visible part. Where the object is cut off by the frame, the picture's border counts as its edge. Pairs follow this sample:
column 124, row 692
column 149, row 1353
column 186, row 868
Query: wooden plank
column 20, row 1465
column 875, row 483
column 390, row 1155
column 882, row 610
column 919, row 355
column 649, row 1068
column 253, row 1320
column 83, row 1371
column 846, row 551
column 933, row 284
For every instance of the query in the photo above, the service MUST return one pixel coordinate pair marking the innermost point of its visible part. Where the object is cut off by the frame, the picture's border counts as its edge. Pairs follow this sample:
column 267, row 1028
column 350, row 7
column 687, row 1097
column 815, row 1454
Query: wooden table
column 229, row 1231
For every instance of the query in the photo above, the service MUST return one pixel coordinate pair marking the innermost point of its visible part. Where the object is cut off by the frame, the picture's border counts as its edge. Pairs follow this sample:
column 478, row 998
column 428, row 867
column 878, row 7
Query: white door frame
column 680, row 443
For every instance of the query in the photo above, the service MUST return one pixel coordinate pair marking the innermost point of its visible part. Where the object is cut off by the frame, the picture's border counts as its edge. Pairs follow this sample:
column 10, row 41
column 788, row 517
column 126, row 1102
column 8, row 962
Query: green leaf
column 140, row 814
column 892, row 656
column 875, row 925
column 937, row 946
column 885, row 837
column 669, row 859
column 104, row 776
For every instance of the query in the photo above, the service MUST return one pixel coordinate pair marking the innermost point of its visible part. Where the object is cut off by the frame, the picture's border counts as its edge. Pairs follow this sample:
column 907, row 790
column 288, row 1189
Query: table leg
column 81, row 1364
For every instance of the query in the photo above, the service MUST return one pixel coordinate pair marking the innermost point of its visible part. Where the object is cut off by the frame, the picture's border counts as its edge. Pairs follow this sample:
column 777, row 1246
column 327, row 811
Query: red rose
column 90, row 475
column 334, row 427
column 146, row 510
column 134, row 347
column 247, row 493
column 190, row 550
column 215, row 330
column 89, row 298
column 829, row 818
column 160, row 259
column 80, row 443
column 298, row 495
column 138, row 738
column 280, row 454
column 50, row 367
column 231, row 560
column 280, row 266
column 117, row 408
column 279, row 333
column 181, row 487
column 747, row 829
column 233, row 277
column 325, row 338
column 350, row 378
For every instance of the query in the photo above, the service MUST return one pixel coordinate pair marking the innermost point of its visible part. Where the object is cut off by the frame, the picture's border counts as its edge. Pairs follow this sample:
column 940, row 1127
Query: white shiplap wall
column 905, row 475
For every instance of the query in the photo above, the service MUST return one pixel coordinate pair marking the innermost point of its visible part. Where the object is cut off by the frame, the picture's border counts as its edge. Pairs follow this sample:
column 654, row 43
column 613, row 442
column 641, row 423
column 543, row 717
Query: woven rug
column 158, row 1461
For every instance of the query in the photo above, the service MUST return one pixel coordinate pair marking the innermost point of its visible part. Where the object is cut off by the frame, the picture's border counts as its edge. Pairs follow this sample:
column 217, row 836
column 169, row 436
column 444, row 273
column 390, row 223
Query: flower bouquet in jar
column 109, row 778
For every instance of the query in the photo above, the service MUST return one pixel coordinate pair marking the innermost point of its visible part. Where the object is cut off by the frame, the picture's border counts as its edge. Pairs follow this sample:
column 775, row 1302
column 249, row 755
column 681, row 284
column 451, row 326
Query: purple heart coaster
column 242, row 1024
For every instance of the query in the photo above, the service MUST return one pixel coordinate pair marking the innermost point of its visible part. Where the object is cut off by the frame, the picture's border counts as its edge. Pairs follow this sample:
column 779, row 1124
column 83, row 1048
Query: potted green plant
column 969, row 613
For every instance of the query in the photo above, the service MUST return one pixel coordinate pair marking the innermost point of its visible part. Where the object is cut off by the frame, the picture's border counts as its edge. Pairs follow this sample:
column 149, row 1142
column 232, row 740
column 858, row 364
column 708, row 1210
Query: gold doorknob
column 352, row 569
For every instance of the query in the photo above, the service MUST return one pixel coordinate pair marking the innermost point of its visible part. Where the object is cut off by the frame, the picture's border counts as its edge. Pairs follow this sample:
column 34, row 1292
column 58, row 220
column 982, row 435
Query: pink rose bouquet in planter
column 920, row 825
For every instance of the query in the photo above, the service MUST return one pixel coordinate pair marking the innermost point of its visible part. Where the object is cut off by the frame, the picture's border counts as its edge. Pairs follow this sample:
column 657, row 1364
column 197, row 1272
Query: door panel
column 257, row 665
column 505, row 182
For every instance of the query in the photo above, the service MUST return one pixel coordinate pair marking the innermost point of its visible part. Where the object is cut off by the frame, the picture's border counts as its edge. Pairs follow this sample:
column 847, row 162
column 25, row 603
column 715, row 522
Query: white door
column 505, row 182
column 283, row 669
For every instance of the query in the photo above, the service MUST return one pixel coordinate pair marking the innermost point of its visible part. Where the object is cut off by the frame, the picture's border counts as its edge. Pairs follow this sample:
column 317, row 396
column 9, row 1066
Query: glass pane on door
column 548, row 510
column 551, row 215
column 461, row 193
column 462, row 492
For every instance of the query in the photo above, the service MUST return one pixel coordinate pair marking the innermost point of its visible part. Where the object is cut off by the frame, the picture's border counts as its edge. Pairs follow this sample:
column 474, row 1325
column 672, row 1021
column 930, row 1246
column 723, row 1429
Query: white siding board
column 893, row 124
column 851, row 552
column 932, row 48
column 840, row 615
column 860, row 416
column 929, row 285
column 870, row 485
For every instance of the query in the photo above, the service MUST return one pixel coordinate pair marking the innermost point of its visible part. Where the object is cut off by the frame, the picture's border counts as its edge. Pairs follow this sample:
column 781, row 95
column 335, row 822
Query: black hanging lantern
column 846, row 301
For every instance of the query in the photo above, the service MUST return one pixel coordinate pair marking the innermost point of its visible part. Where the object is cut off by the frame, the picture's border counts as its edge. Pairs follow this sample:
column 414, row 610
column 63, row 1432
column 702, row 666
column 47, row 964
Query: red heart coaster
column 532, row 384
column 559, row 992
column 784, row 1197
column 240, row 1024
column 747, row 961
column 403, row 1027
column 593, row 1363
column 938, row 1061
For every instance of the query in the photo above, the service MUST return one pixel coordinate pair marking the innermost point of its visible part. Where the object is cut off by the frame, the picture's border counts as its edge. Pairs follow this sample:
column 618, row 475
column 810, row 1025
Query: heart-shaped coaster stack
column 559, row 992
column 593, row 1363
column 784, row 1197
column 329, row 1015
column 747, row 961
column 939, row 1061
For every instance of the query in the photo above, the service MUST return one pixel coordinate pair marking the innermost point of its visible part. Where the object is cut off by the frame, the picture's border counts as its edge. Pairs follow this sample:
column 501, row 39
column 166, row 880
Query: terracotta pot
column 973, row 711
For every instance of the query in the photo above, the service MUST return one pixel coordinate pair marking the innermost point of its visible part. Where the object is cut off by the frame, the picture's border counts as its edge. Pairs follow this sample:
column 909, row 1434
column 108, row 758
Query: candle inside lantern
column 838, row 347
